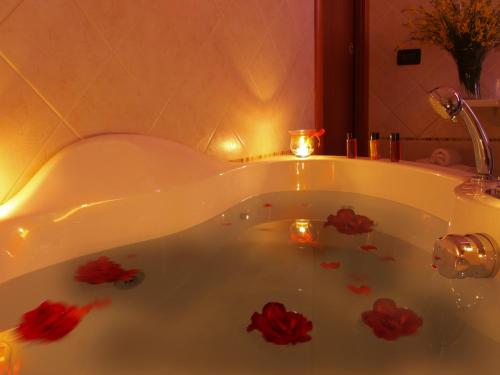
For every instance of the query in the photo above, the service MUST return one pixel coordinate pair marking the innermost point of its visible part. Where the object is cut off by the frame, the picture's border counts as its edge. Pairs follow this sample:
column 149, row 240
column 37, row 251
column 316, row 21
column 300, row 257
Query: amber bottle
column 394, row 147
column 375, row 146
column 351, row 146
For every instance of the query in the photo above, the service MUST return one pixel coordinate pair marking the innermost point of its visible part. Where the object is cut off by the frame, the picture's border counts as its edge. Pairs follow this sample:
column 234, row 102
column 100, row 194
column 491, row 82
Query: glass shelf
column 483, row 103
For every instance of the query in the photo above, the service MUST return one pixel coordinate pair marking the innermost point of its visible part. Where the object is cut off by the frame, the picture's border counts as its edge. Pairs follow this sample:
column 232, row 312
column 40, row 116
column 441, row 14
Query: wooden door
column 341, row 64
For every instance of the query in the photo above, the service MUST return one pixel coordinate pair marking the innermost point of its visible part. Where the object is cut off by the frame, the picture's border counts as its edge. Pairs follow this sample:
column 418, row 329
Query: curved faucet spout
column 449, row 105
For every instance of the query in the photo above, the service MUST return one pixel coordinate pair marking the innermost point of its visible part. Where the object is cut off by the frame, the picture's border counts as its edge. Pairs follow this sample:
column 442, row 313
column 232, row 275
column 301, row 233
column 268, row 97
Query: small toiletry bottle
column 351, row 146
column 374, row 146
column 394, row 147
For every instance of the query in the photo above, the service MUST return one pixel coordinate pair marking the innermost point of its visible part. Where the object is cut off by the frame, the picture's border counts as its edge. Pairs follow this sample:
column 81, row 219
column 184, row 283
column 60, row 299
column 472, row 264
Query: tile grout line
column 11, row 11
column 39, row 94
column 103, row 38
column 183, row 81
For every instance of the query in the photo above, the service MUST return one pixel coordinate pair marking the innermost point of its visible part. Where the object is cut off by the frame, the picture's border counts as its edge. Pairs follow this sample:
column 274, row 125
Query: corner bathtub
column 215, row 243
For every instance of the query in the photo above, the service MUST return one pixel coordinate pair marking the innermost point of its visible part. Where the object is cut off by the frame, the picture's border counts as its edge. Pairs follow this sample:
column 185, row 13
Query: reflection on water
column 190, row 314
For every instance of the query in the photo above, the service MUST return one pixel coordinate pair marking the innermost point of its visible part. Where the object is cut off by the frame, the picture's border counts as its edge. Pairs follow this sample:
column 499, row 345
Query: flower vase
column 469, row 63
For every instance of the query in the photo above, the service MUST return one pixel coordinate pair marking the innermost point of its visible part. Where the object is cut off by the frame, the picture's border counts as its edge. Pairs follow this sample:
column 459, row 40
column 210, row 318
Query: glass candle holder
column 301, row 232
column 303, row 142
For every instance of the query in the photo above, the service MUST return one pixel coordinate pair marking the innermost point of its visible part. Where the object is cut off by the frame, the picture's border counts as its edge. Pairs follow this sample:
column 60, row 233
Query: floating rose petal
column 52, row 321
column 437, row 258
column 103, row 270
column 279, row 326
column 434, row 266
column 368, row 247
column 363, row 289
column 348, row 222
column 330, row 265
column 387, row 258
column 389, row 321
column 267, row 205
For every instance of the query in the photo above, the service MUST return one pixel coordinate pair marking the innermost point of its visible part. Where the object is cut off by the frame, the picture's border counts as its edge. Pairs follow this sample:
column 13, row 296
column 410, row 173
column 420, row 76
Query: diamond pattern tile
column 217, row 75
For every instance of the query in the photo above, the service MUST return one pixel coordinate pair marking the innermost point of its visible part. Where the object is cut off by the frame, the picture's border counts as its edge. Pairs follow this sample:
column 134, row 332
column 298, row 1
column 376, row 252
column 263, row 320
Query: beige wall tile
column 54, row 46
column 116, row 102
column 226, row 145
column 113, row 18
column 205, row 73
column 267, row 70
column 7, row 7
column 60, row 138
column 26, row 123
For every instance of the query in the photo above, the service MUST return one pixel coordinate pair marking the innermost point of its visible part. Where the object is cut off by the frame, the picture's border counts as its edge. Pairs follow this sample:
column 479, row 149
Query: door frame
column 323, row 110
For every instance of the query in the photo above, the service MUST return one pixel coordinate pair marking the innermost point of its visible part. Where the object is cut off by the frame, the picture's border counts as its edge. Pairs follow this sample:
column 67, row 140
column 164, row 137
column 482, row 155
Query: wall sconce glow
column 302, row 141
column 301, row 232
column 231, row 146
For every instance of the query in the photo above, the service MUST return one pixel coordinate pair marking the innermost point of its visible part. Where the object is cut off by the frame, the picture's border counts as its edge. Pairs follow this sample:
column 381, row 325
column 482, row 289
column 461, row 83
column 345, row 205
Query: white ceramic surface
column 114, row 190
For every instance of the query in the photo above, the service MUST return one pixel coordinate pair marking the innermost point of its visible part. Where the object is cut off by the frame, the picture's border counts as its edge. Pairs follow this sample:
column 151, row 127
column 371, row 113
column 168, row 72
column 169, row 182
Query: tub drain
column 132, row 282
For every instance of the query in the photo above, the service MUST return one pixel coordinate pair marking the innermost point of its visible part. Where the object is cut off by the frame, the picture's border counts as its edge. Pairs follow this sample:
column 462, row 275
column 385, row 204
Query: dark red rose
column 279, row 326
column 389, row 321
column 51, row 321
column 348, row 222
column 103, row 270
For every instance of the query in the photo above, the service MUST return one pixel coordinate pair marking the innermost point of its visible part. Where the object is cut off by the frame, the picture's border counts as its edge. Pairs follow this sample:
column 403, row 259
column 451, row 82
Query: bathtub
column 116, row 191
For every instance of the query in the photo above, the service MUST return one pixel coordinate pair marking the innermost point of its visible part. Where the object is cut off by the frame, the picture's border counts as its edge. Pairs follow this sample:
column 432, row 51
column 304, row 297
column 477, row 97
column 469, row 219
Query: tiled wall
column 226, row 77
column 398, row 94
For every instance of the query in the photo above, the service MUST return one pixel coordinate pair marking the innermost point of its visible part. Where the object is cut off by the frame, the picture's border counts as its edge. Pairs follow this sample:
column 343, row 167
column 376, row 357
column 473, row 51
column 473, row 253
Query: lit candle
column 301, row 232
column 302, row 142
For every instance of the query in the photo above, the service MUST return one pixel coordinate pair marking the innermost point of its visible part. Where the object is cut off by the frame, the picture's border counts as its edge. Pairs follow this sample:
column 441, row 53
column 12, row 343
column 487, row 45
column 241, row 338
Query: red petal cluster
column 103, row 270
column 368, row 247
column 279, row 326
column 330, row 265
column 51, row 321
column 389, row 321
column 348, row 222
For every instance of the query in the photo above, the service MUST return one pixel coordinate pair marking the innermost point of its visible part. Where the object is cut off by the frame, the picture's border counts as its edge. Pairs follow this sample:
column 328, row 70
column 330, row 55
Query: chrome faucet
column 449, row 105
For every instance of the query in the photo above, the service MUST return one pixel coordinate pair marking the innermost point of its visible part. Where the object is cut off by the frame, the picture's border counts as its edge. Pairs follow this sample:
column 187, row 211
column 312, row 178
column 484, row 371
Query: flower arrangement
column 467, row 29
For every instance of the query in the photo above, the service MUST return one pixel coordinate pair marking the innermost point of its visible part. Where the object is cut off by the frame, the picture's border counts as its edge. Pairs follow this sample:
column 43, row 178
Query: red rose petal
column 52, row 321
column 330, row 265
column 368, row 247
column 389, row 322
column 348, row 222
column 279, row 326
column 267, row 205
column 102, row 270
column 363, row 289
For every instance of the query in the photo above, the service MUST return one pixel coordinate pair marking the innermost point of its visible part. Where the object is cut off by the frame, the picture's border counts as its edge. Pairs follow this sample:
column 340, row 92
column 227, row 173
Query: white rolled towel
column 445, row 156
